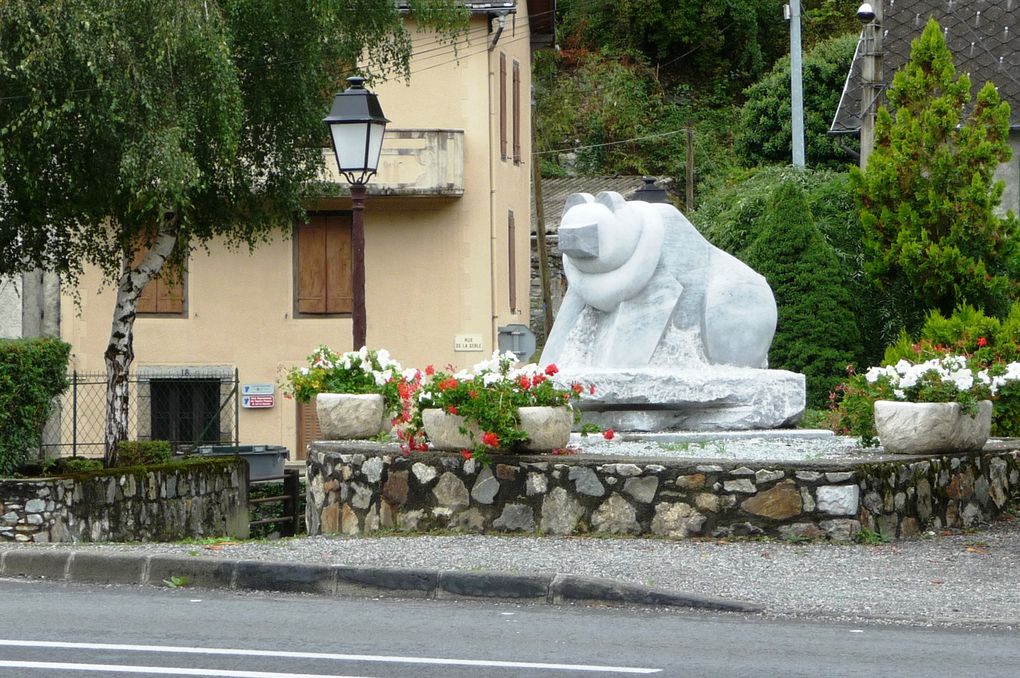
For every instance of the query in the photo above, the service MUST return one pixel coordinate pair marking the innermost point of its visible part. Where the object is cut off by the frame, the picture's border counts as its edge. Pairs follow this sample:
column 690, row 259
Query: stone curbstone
column 289, row 577
column 374, row 581
column 103, row 568
column 494, row 585
column 572, row 587
column 196, row 572
column 41, row 564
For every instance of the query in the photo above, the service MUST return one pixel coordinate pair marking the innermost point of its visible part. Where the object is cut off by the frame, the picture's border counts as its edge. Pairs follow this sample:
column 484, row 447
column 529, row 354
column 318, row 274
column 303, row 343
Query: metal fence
column 184, row 406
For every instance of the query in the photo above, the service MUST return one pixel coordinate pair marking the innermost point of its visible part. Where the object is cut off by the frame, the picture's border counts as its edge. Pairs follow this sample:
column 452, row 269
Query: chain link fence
column 185, row 406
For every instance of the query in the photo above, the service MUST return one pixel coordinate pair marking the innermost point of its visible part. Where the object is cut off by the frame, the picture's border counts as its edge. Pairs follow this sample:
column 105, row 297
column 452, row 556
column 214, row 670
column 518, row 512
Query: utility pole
column 871, row 74
column 796, row 85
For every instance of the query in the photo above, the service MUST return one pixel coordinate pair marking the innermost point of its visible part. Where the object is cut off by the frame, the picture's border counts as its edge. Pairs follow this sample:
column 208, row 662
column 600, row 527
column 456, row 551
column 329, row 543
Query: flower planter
column 348, row 416
column 931, row 428
column 547, row 428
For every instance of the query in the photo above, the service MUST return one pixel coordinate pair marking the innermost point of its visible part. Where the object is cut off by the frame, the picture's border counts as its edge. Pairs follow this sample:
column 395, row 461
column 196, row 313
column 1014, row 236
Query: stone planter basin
column 931, row 428
column 349, row 416
column 548, row 428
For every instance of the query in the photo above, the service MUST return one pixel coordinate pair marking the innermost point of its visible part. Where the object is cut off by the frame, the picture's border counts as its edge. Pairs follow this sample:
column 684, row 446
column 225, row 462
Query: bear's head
column 594, row 236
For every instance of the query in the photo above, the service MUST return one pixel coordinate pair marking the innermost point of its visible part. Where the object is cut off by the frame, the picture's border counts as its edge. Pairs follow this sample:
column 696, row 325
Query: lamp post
column 357, row 125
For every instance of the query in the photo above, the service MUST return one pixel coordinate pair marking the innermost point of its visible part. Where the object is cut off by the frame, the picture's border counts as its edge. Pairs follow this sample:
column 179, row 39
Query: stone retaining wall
column 164, row 503
column 356, row 488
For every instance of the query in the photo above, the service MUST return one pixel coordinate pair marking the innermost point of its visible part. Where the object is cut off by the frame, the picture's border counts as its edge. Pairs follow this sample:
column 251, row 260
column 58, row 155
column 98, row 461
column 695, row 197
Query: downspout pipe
column 501, row 17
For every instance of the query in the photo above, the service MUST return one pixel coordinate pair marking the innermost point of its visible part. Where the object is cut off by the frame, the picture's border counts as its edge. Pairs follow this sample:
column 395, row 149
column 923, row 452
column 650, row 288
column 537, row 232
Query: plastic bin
column 264, row 461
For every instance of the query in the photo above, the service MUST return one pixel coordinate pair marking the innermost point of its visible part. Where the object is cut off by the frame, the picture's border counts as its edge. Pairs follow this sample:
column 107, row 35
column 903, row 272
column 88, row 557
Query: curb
column 345, row 581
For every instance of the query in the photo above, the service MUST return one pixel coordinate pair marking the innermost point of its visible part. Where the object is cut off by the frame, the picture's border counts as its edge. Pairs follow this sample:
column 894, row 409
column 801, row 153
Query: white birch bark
column 120, row 351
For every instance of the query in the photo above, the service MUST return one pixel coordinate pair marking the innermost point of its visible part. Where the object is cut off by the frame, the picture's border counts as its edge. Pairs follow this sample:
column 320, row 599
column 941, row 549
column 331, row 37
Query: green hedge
column 143, row 452
column 32, row 373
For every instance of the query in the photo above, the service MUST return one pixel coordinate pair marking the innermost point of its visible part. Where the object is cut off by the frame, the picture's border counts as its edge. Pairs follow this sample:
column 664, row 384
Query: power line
column 610, row 143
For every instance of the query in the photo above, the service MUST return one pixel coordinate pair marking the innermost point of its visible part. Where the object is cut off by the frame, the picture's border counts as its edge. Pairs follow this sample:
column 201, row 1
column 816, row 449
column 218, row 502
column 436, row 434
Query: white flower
column 489, row 378
column 424, row 396
column 410, row 374
column 380, row 378
column 304, row 370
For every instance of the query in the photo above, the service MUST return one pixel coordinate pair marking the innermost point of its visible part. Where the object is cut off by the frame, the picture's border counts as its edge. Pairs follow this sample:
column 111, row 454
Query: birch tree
column 133, row 131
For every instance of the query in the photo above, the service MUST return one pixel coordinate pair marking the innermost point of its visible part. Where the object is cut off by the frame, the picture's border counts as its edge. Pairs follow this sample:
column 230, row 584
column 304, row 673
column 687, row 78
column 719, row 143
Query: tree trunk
column 120, row 351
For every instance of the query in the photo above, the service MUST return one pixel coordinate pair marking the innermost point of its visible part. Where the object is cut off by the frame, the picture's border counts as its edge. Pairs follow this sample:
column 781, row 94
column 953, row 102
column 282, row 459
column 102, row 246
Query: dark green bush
column 816, row 333
column 81, row 465
column 143, row 452
column 32, row 373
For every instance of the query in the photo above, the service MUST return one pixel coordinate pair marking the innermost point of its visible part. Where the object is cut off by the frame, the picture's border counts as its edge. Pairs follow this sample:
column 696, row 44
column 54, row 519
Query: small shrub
column 80, row 465
column 143, row 452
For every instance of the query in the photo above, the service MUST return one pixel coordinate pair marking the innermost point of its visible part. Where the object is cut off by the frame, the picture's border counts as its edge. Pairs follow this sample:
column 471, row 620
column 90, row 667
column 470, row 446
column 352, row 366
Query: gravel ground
column 944, row 579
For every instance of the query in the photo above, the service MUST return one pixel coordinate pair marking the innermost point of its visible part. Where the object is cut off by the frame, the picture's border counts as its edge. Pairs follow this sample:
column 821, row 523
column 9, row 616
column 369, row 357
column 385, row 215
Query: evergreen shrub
column 816, row 332
column 32, row 373
column 143, row 452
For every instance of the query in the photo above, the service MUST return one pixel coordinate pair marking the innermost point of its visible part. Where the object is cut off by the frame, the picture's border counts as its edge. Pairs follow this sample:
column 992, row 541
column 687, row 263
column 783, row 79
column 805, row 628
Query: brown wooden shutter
column 502, row 106
column 169, row 297
column 517, row 112
column 312, row 267
column 307, row 428
column 339, row 284
column 159, row 296
column 512, row 250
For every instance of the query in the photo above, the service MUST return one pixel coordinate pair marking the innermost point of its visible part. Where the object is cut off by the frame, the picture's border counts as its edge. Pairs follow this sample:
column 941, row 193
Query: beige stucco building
column 446, row 247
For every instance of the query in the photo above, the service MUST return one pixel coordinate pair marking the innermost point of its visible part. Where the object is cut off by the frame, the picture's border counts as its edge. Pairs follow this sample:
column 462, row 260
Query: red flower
column 490, row 439
column 451, row 409
column 591, row 389
column 982, row 342
column 577, row 388
column 524, row 382
column 472, row 394
column 429, row 370
column 448, row 384
column 551, row 369
column 537, row 379
column 609, row 434
column 467, row 454
column 566, row 396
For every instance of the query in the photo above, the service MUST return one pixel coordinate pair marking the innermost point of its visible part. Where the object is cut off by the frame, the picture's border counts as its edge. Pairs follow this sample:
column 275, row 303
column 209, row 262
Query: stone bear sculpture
column 645, row 289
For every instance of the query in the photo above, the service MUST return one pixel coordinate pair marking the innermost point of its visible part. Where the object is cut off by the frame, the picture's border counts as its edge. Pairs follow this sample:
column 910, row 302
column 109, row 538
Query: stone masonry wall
column 359, row 488
column 166, row 503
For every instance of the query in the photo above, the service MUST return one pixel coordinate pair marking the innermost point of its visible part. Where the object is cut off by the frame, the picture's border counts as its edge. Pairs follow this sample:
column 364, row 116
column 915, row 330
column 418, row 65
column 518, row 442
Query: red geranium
column 609, row 434
column 982, row 342
column 551, row 369
column 490, row 439
column 467, row 454
column 524, row 382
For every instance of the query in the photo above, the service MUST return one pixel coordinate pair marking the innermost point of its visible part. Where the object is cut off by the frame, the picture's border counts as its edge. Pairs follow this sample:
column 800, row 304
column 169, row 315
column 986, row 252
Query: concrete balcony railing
column 414, row 162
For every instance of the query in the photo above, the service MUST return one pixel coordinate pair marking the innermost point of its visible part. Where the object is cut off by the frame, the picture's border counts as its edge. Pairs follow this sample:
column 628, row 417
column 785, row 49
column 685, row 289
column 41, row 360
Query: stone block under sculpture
column 653, row 305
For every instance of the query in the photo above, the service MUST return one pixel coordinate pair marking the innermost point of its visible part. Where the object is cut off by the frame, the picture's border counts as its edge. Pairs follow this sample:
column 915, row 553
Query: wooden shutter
column 339, row 265
column 307, row 428
column 324, row 261
column 502, row 106
column 512, row 254
column 311, row 261
column 517, row 113
column 159, row 296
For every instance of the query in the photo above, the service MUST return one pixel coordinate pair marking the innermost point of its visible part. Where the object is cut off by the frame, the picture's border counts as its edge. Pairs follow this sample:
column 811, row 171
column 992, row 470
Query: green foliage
column 868, row 536
column 816, row 332
column 32, row 373
column 143, row 452
column 732, row 217
column 763, row 135
column 81, row 465
column 933, row 240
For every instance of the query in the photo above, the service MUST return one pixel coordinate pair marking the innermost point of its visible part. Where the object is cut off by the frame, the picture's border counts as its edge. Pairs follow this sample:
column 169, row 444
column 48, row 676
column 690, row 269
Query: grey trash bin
column 264, row 461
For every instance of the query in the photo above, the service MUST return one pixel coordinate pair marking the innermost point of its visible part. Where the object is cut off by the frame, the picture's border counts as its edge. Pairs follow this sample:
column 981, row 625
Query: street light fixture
column 357, row 125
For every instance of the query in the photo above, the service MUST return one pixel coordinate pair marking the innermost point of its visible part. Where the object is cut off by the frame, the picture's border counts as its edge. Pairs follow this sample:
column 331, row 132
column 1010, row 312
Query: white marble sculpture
column 673, row 331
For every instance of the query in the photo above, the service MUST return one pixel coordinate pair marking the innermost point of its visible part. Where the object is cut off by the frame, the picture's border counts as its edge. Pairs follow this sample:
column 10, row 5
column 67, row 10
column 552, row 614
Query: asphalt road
column 56, row 629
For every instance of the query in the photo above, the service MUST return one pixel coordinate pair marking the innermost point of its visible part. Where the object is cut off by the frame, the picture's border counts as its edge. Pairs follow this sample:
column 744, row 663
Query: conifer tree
column 932, row 237
column 816, row 332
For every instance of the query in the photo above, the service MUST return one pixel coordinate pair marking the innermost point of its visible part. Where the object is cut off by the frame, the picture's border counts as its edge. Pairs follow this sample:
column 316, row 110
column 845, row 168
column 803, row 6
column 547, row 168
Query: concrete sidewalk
column 947, row 578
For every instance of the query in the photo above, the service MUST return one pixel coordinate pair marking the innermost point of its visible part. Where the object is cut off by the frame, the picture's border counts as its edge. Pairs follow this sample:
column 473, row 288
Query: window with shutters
column 323, row 266
column 307, row 428
column 164, row 295
column 502, row 106
column 517, row 113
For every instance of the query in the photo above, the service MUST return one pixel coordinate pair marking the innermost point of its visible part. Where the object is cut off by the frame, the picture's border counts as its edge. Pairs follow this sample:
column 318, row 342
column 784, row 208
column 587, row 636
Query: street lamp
column 357, row 125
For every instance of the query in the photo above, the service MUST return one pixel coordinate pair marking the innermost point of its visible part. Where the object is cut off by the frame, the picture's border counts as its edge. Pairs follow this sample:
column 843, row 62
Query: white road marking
column 164, row 670
column 394, row 659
